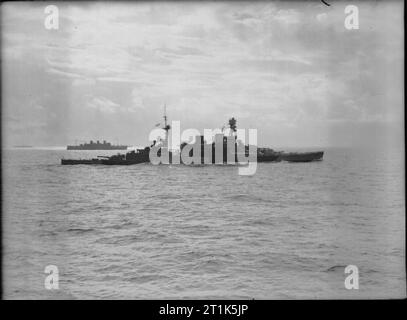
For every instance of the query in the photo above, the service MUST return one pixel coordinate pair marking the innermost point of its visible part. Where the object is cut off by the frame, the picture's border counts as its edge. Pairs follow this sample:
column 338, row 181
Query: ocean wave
column 80, row 230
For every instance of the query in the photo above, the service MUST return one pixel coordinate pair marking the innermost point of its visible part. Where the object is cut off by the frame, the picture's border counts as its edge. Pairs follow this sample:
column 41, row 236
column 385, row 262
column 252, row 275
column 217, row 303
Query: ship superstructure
column 208, row 152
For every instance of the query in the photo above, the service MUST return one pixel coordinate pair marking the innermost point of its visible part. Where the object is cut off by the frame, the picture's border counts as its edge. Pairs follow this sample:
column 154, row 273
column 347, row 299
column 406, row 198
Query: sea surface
column 203, row 232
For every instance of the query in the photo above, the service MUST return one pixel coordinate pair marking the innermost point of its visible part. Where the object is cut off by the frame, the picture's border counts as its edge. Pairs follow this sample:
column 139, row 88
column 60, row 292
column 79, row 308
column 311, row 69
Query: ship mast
column 167, row 127
column 165, row 117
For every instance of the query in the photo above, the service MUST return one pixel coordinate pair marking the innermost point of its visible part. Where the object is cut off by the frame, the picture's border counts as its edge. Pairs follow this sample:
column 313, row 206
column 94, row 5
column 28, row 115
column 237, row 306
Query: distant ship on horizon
column 97, row 146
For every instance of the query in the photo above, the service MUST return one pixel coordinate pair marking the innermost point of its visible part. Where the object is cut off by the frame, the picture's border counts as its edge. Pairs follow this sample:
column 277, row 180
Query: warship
column 264, row 154
column 97, row 146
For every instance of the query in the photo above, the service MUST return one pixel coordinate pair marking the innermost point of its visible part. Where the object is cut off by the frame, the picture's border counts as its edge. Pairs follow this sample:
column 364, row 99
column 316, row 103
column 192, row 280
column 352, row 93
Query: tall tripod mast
column 166, row 126
column 165, row 117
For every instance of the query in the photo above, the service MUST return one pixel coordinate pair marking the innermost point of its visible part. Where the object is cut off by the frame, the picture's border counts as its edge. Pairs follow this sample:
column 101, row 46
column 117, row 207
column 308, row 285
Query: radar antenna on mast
column 232, row 125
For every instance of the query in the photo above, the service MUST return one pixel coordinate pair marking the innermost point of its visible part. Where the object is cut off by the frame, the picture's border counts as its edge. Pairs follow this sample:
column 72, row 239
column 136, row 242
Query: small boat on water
column 302, row 156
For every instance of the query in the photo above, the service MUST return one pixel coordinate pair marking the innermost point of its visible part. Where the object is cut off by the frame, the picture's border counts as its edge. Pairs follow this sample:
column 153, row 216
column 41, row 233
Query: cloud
column 281, row 63
column 103, row 104
column 322, row 17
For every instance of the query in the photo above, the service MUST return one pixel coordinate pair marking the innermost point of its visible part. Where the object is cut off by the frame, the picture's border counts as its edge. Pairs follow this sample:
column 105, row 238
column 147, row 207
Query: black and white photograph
column 202, row 150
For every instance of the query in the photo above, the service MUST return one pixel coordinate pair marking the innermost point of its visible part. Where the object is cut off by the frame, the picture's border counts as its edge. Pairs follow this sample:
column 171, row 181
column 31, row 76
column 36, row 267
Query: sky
column 289, row 69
